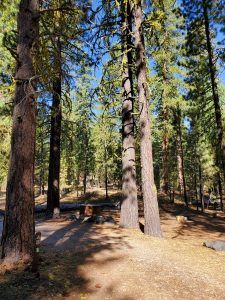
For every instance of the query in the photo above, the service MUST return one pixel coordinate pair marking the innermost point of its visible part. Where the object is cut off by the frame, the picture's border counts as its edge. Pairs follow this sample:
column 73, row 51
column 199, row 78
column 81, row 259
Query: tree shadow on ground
column 202, row 225
column 66, row 256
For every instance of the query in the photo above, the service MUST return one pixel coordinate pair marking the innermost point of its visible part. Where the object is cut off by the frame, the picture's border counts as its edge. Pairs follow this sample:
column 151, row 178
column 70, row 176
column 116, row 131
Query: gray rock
column 216, row 245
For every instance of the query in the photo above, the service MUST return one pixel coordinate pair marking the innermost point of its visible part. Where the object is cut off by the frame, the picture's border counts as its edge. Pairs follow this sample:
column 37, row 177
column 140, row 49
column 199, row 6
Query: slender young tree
column 18, row 234
column 129, row 204
column 151, row 210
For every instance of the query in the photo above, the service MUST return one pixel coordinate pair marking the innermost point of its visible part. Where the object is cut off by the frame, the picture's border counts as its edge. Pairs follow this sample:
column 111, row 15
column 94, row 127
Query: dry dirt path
column 103, row 262
column 112, row 263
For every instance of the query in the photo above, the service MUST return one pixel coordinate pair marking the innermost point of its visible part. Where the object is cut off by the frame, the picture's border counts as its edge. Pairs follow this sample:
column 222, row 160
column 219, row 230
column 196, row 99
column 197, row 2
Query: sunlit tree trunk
column 180, row 156
column 165, row 114
column 85, row 140
column 129, row 205
column 106, row 170
column 200, row 186
column 18, row 241
column 151, row 210
column 165, row 159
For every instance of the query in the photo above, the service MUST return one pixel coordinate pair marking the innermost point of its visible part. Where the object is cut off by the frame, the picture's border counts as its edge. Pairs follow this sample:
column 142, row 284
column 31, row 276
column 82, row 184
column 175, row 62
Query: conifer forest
column 112, row 149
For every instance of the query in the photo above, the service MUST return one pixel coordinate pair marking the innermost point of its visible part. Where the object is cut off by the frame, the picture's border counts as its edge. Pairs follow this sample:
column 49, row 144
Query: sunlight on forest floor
column 113, row 263
column 93, row 194
column 90, row 262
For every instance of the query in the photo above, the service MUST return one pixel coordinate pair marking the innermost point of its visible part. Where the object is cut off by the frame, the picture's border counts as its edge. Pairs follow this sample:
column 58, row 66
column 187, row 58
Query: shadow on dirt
column 201, row 224
column 66, row 255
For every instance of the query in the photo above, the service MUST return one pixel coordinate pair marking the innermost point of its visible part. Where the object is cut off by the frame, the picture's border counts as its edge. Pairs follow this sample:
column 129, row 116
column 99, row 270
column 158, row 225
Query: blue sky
column 220, row 36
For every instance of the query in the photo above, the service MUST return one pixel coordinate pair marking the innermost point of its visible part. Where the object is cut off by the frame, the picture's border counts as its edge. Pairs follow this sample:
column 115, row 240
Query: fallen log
column 72, row 206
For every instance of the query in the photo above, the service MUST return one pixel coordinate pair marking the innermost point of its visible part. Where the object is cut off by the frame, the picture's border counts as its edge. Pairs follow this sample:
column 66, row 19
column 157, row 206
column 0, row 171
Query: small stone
column 215, row 245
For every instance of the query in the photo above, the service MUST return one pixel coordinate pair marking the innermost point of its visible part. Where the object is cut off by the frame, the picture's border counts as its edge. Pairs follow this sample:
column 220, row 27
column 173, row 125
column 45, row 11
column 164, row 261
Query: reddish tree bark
column 18, row 242
column 180, row 156
column 151, row 211
column 216, row 100
column 165, row 158
column 165, row 113
column 53, row 196
column 129, row 204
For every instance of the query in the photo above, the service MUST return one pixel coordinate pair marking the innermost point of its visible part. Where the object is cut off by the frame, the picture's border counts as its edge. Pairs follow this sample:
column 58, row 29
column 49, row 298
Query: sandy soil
column 102, row 262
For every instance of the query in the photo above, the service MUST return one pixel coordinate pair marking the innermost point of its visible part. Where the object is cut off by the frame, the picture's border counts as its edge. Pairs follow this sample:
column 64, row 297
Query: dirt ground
column 101, row 262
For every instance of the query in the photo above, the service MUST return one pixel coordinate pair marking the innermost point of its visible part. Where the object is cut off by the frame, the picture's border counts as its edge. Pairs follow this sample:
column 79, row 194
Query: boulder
column 215, row 245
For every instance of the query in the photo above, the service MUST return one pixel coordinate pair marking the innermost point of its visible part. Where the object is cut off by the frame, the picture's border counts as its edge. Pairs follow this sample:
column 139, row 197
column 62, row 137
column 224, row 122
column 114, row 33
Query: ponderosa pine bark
column 151, row 210
column 129, row 204
column 18, row 242
column 85, row 139
column 219, row 182
column 53, row 196
column 215, row 93
column 200, row 186
column 220, row 190
column 180, row 156
column 41, row 175
column 165, row 158
column 165, row 114
column 165, row 148
column 106, row 170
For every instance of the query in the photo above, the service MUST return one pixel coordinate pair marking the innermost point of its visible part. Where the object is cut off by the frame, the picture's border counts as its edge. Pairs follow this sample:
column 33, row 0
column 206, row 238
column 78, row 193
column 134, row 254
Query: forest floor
column 103, row 262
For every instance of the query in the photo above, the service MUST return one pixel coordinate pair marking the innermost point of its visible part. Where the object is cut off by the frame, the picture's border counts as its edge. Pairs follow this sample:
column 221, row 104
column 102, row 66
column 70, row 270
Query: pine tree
column 8, row 37
column 84, row 156
column 164, row 40
column 200, row 16
column 55, row 134
column 107, row 132
column 61, row 44
column 129, row 205
column 18, row 233
column 151, row 211
column 42, row 149
column 180, row 154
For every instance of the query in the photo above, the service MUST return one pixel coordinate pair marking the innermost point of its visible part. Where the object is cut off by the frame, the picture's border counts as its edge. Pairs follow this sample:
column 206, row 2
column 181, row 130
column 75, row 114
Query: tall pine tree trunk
column 180, row 156
column 220, row 190
column 18, row 234
column 86, row 146
column 165, row 113
column 165, row 159
column 53, row 196
column 216, row 100
column 106, row 169
column 200, row 186
column 151, row 210
column 129, row 204
column 41, row 175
